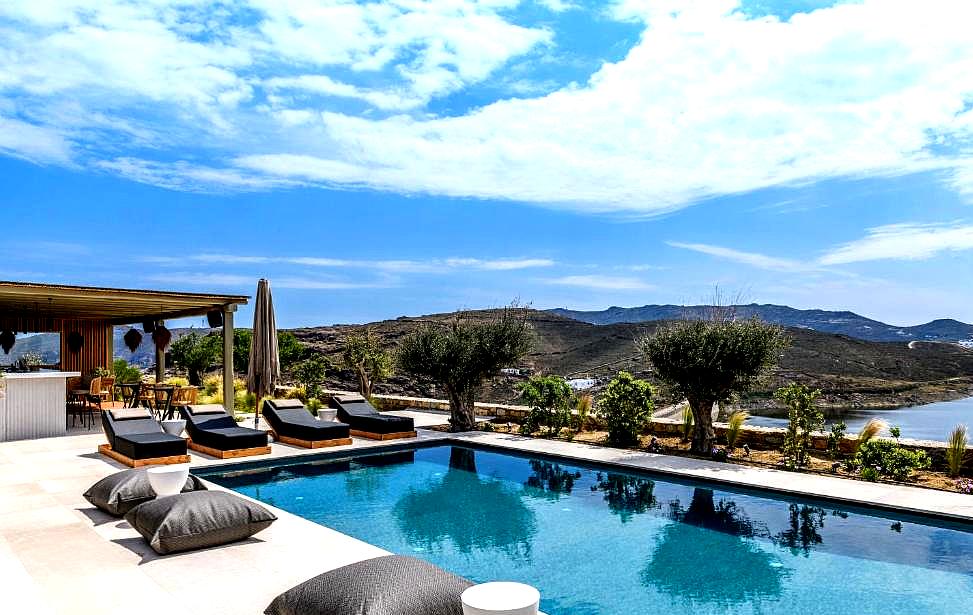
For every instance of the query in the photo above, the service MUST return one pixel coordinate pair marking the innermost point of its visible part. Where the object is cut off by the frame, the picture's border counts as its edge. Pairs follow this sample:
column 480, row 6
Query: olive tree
column 461, row 354
column 363, row 353
column 707, row 361
column 195, row 353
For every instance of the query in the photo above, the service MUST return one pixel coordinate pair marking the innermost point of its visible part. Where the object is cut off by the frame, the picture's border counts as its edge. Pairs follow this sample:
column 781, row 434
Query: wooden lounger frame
column 106, row 449
column 230, row 454
column 310, row 443
column 384, row 436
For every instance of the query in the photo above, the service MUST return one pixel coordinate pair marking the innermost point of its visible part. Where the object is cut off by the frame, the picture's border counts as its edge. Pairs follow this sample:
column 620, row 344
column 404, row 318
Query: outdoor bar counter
column 32, row 405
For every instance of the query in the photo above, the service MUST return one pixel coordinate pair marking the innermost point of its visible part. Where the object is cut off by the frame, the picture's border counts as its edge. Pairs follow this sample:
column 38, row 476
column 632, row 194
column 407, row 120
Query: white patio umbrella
column 264, row 371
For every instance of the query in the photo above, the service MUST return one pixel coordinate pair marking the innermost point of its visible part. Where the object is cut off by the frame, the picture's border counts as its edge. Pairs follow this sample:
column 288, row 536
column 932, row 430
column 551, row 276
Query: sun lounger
column 367, row 422
column 136, row 439
column 214, row 432
column 293, row 424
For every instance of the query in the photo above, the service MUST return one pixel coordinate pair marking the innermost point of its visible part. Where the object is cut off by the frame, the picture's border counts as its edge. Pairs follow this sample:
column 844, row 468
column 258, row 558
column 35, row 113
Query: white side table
column 174, row 427
column 169, row 479
column 501, row 598
column 327, row 414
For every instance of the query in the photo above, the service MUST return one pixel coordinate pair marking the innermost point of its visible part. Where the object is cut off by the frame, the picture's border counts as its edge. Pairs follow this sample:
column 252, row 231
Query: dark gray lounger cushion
column 389, row 585
column 197, row 520
column 122, row 491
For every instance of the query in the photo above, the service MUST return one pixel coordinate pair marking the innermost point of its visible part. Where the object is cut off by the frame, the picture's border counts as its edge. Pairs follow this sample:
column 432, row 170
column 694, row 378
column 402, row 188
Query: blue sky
column 390, row 158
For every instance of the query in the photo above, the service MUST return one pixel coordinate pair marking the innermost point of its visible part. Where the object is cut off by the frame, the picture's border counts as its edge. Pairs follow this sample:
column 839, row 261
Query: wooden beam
column 106, row 449
column 231, row 454
column 383, row 436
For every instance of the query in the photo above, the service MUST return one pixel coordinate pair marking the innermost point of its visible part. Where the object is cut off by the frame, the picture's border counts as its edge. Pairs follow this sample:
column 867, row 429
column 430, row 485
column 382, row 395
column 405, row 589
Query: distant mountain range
column 841, row 323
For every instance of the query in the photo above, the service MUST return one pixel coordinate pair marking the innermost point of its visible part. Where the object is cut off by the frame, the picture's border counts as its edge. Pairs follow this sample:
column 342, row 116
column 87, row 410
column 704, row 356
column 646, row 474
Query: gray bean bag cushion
column 197, row 520
column 389, row 585
column 122, row 491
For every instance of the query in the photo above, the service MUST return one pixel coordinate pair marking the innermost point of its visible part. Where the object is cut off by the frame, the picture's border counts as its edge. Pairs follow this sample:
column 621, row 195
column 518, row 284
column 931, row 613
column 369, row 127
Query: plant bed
column 820, row 463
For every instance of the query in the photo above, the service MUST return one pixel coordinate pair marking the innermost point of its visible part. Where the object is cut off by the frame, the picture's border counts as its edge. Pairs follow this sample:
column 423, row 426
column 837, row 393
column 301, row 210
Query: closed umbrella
column 264, row 371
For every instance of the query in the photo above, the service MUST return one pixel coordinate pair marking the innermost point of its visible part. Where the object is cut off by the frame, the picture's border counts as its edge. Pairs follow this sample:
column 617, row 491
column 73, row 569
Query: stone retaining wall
column 758, row 438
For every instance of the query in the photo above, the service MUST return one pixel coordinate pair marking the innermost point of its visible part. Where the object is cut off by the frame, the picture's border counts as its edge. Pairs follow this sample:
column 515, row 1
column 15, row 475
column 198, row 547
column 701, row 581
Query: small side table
column 168, row 480
column 174, row 427
column 327, row 414
column 501, row 598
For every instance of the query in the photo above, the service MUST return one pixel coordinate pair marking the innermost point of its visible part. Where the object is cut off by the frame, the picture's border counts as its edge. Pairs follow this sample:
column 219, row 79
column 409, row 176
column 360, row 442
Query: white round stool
column 500, row 598
column 327, row 414
column 168, row 480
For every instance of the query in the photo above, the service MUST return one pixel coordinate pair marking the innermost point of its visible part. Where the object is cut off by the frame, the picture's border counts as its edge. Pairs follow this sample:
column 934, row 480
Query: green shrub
column 178, row 381
column 531, row 422
column 626, row 406
column 955, row 449
column 869, row 474
column 310, row 374
column 733, row 424
column 212, row 384
column 887, row 458
column 550, row 400
column 803, row 418
column 296, row 393
column 582, row 408
column 313, row 405
column 125, row 372
column 834, row 439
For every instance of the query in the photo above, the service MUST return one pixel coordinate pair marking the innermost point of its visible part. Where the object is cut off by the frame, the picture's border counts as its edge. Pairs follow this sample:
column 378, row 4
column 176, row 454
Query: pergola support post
column 160, row 359
column 228, row 393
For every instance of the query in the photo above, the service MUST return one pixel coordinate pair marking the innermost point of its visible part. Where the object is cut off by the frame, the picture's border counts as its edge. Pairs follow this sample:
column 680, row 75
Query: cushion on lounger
column 149, row 445
column 284, row 403
column 123, row 491
column 126, row 414
column 197, row 520
column 389, row 585
column 206, row 409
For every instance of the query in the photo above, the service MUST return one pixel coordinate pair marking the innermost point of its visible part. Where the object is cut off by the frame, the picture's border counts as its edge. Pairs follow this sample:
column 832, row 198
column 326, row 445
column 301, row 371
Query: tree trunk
column 462, row 415
column 195, row 379
column 462, row 459
column 704, row 436
column 364, row 384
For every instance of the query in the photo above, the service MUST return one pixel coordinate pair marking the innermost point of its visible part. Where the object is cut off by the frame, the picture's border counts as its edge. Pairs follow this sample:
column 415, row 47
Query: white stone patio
column 60, row 555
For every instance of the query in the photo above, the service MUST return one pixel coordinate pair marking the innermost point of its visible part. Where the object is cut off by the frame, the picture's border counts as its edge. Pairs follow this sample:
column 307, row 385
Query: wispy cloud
column 435, row 265
column 245, row 281
column 754, row 259
column 601, row 282
column 905, row 241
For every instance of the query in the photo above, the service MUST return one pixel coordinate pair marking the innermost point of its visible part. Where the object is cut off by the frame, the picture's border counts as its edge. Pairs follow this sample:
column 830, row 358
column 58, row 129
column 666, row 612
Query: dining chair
column 108, row 389
column 162, row 401
column 129, row 393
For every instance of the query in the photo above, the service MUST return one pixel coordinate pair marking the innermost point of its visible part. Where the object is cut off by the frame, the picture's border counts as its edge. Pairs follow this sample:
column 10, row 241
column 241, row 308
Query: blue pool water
column 605, row 542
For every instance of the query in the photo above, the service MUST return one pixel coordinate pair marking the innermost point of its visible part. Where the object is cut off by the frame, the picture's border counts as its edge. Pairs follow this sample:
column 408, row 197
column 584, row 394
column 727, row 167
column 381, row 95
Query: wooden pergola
column 93, row 312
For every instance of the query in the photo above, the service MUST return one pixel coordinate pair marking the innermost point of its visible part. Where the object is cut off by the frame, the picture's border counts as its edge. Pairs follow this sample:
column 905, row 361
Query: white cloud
column 239, row 281
column 697, row 108
column 35, row 143
column 903, row 242
column 601, row 282
column 754, row 259
column 322, row 84
column 435, row 265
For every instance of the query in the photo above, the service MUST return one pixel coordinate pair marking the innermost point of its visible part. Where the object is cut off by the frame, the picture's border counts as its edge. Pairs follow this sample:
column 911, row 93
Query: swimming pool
column 600, row 541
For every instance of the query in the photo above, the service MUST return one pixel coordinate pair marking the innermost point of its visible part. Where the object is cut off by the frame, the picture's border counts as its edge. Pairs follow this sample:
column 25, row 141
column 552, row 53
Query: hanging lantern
column 7, row 340
column 215, row 318
column 133, row 339
column 161, row 336
column 75, row 341
column 148, row 326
